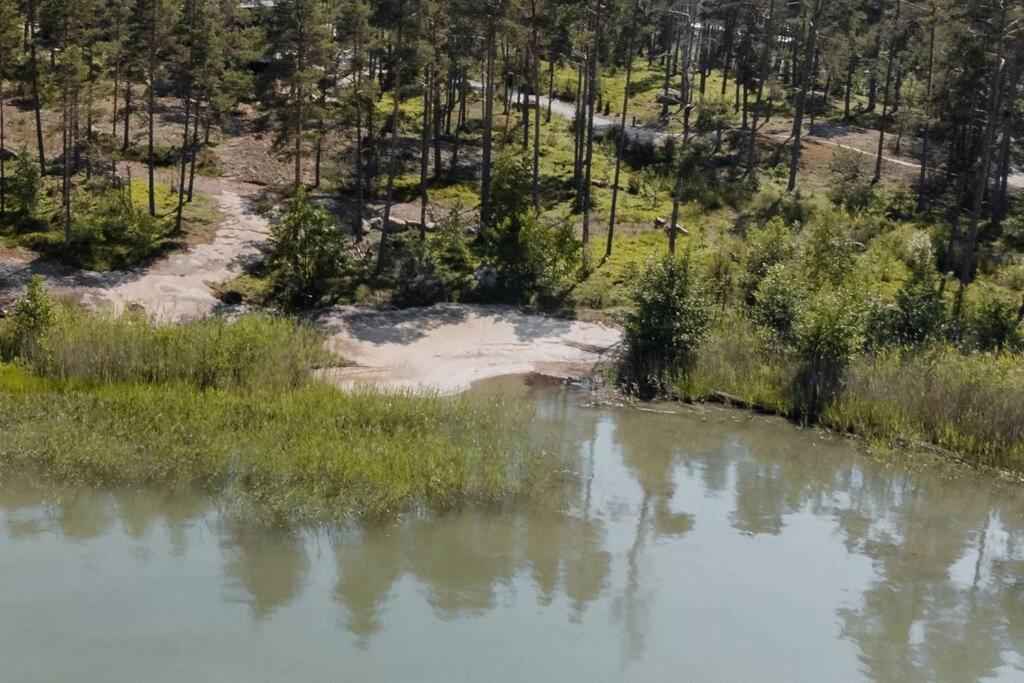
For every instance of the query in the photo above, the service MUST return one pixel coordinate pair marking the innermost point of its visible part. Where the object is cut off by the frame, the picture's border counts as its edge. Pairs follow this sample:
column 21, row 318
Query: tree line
column 943, row 73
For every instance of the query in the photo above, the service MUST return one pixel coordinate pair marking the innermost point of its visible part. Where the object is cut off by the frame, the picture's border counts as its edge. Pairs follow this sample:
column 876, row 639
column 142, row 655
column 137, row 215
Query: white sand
column 449, row 346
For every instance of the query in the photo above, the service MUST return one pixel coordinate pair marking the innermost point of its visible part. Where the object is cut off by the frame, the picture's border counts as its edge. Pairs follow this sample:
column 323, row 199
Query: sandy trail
column 174, row 288
column 443, row 348
column 449, row 346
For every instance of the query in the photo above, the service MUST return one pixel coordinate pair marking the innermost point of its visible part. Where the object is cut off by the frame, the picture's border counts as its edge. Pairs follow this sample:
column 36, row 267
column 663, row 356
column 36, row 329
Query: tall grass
column 256, row 350
column 969, row 403
column 972, row 404
column 313, row 453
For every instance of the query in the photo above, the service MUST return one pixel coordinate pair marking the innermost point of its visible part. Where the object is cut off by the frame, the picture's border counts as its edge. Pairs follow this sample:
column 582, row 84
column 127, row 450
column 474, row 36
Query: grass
column 257, row 351
column 308, row 454
column 103, row 242
column 969, row 404
column 230, row 407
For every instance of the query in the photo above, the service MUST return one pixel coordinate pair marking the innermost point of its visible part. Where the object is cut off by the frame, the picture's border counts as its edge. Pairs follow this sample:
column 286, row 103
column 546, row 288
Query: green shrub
column 828, row 331
column 441, row 269
column 307, row 252
column 34, row 315
column 767, row 245
column 25, row 185
column 779, row 298
column 992, row 318
column 918, row 314
column 664, row 328
column 850, row 186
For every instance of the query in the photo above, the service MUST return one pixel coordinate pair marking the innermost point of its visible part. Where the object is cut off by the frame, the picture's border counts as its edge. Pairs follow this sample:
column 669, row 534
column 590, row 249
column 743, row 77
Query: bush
column 307, row 252
column 25, row 185
column 828, row 332
column 850, row 187
column 828, row 254
column 992, row 318
column 918, row 314
column 34, row 314
column 439, row 270
column 778, row 299
column 767, row 245
column 668, row 321
column 534, row 260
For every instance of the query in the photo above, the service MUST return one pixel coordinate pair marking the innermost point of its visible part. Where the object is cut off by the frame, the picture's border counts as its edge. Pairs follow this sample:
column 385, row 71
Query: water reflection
column 679, row 526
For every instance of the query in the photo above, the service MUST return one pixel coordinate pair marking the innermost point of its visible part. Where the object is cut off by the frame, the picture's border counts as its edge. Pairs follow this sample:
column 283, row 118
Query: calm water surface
column 699, row 545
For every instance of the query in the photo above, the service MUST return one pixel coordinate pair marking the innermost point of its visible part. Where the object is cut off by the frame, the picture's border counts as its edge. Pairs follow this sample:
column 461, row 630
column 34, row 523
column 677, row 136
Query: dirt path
column 174, row 288
column 449, row 346
column 443, row 348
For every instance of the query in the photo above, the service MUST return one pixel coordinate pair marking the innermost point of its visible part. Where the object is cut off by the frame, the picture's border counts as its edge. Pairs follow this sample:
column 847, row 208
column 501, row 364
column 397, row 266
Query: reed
column 305, row 454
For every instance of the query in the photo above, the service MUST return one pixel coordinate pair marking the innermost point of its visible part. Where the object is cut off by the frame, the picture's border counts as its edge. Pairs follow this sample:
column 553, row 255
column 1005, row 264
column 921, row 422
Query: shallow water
column 704, row 545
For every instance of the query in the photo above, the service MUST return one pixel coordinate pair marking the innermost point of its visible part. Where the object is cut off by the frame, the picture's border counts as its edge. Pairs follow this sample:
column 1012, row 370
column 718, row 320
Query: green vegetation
column 111, row 228
column 230, row 406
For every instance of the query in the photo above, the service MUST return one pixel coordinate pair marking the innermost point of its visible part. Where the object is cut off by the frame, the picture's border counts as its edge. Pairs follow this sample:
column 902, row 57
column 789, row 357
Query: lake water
column 697, row 545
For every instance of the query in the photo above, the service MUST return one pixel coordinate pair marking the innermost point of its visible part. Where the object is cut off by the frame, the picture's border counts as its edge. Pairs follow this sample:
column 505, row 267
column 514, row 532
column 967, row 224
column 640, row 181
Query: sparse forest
column 782, row 203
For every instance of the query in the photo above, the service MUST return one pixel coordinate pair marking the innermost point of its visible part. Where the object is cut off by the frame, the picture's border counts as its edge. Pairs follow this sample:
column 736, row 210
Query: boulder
column 396, row 225
column 431, row 226
column 660, row 223
column 231, row 297
column 667, row 99
column 375, row 223
column 678, row 229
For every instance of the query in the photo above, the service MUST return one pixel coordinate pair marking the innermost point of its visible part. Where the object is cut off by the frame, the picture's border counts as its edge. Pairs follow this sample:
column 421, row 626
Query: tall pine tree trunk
column 622, row 134
column 485, row 178
column 769, row 41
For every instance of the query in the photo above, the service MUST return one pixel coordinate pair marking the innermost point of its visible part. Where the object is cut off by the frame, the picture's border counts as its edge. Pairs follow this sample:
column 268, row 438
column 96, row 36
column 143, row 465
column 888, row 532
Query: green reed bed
column 309, row 453
column 969, row 403
column 229, row 407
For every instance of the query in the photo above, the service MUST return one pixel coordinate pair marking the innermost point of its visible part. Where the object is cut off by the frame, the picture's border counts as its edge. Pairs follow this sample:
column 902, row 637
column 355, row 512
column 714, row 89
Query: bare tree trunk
column 3, row 143
column 34, row 75
column 535, row 63
column 798, row 120
column 184, row 158
column 981, row 179
column 762, row 77
column 152, row 107
column 485, row 179
column 425, row 150
column 622, row 133
column 194, row 148
column 392, row 153
column 127, row 113
column 588, row 167
column 885, row 94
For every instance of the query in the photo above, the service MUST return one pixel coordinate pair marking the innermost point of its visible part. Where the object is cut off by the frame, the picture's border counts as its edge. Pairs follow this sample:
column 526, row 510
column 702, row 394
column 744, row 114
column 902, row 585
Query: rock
column 364, row 228
column 670, row 100
column 231, row 297
column 431, row 226
column 376, row 223
column 660, row 223
column 679, row 230
column 471, row 231
column 396, row 225
column 486, row 277
column 596, row 182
